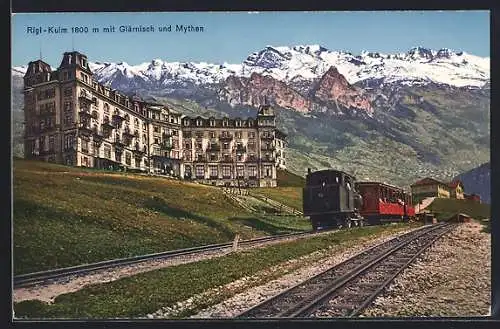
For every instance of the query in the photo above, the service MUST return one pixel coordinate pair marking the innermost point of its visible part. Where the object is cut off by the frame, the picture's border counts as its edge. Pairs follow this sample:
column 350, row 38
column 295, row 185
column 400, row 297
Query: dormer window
column 238, row 123
column 224, row 123
column 199, row 122
column 186, row 122
column 212, row 123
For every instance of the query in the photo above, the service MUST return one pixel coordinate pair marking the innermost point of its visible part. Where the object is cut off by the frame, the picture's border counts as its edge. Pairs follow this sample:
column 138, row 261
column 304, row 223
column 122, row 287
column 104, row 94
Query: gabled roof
column 455, row 183
column 428, row 181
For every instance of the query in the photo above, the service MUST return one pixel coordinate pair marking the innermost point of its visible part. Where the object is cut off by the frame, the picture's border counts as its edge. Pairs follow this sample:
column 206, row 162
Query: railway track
column 31, row 279
column 347, row 289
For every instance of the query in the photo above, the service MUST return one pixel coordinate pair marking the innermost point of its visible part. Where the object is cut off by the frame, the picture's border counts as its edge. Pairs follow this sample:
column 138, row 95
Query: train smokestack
column 308, row 171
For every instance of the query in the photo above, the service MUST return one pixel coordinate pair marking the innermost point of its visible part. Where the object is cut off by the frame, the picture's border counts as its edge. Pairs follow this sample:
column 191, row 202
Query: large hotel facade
column 72, row 119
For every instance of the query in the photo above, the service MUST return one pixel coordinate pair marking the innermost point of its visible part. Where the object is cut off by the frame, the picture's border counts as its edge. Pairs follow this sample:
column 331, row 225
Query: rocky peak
column 333, row 87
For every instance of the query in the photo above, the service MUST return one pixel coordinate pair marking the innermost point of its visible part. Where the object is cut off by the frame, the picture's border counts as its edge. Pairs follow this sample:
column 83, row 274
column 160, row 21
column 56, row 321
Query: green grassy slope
column 445, row 208
column 66, row 216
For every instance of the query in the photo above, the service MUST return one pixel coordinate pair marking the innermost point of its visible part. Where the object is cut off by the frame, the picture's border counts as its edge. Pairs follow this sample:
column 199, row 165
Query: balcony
column 138, row 151
column 117, row 116
column 166, row 146
column 251, row 159
column 160, row 154
column 270, row 159
column 108, row 124
column 87, row 98
column 119, row 142
column 129, row 134
column 227, row 160
column 226, row 137
column 85, row 129
column 213, row 148
column 240, row 149
column 84, row 113
column 268, row 148
column 97, row 134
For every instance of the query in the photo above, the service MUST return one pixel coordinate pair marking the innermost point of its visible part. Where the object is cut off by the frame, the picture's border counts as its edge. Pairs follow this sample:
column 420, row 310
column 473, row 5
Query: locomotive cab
column 330, row 199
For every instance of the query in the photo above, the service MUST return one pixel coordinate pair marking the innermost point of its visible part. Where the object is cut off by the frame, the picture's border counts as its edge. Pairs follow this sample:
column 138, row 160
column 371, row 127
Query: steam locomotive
column 333, row 198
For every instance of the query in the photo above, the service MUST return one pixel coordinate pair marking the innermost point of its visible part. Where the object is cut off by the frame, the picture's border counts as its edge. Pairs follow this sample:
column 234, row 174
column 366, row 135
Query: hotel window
column 42, row 143
column 226, row 171
column 251, row 146
column 127, row 118
column 187, row 145
column 186, row 122
column 199, row 122
column 187, row 156
column 143, row 126
column 213, row 171
column 85, row 161
column 213, row 157
column 199, row 157
column 69, row 141
column 238, row 123
column 96, row 149
column 136, row 122
column 199, row 146
column 224, row 123
column 106, row 108
column 68, row 92
column 212, row 134
column 174, row 132
column 107, row 151
column 240, row 171
column 251, row 134
column 225, row 146
column 68, row 106
column 175, row 144
column 237, row 134
column 128, row 158
column 252, row 171
column 212, row 123
column 157, row 141
column 85, row 146
column 268, row 171
column 51, row 143
column 156, row 129
column 68, row 119
column 239, row 157
column 200, row 171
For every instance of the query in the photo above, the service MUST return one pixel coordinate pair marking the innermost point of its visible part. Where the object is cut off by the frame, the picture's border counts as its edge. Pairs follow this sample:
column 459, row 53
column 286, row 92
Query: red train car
column 384, row 203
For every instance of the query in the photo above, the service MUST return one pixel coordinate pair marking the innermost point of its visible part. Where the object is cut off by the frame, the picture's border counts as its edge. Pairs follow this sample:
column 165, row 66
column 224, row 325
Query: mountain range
column 390, row 117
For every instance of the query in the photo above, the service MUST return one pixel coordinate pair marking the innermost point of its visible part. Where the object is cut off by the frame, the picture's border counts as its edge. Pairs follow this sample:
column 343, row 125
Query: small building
column 460, row 218
column 456, row 189
column 429, row 187
column 472, row 197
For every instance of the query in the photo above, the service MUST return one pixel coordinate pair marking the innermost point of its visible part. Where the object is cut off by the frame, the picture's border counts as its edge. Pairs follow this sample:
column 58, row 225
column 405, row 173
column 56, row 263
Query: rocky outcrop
column 334, row 88
column 258, row 89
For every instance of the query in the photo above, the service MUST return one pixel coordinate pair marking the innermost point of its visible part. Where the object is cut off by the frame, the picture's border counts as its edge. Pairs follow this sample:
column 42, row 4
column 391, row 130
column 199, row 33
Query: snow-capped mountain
column 306, row 63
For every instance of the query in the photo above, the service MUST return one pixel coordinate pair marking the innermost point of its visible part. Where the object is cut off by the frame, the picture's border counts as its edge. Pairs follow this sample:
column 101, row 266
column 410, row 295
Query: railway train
column 333, row 198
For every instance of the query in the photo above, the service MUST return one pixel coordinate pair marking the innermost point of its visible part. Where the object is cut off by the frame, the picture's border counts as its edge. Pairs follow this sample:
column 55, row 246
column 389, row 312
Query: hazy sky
column 231, row 37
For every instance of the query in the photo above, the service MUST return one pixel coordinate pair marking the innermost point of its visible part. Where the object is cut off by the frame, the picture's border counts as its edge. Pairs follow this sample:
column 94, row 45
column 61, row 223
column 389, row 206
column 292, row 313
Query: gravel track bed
column 47, row 292
column 452, row 278
column 234, row 298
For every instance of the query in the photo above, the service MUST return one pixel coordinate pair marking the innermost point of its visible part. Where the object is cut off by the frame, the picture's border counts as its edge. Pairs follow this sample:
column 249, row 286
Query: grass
column 65, row 216
column 145, row 293
column 446, row 208
column 290, row 196
column 287, row 179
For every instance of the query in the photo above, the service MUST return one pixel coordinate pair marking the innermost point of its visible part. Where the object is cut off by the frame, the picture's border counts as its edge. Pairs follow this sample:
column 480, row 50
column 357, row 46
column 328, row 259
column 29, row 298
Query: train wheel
column 348, row 223
column 361, row 223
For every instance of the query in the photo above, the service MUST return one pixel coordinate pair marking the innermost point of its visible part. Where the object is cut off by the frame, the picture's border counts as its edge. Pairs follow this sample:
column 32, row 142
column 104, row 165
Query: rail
column 30, row 279
column 348, row 288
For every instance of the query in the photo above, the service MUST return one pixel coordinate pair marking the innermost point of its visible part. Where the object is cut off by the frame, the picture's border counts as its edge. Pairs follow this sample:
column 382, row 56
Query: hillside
column 288, row 179
column 478, row 181
column 66, row 216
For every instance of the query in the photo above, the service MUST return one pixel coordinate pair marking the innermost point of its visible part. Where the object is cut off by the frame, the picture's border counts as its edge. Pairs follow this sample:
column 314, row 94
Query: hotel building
column 72, row 119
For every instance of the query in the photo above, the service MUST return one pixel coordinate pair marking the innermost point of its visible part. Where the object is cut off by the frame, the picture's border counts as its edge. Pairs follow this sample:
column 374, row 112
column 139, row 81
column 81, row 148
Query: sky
column 230, row 37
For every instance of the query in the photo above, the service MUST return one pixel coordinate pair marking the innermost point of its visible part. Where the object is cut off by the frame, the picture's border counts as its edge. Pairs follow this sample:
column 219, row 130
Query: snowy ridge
column 304, row 63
